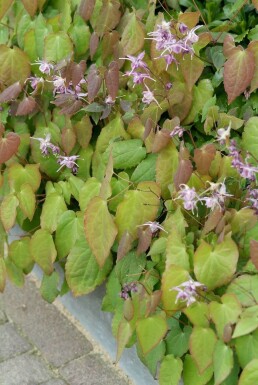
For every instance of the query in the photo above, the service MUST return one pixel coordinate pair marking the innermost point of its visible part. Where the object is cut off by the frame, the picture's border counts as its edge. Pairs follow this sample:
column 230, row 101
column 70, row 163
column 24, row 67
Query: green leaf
column 138, row 207
column 198, row 314
column 14, row 65
column 20, row 253
column 177, row 341
column 250, row 136
column 170, row 370
column 202, row 344
column 247, row 348
column 2, row 275
column 14, row 274
column 150, row 331
column 53, row 207
column 82, row 271
column 145, row 171
column 19, row 175
column 80, row 35
column 68, row 229
column 173, row 276
column 100, row 229
column 4, row 6
column 158, row 246
column 248, row 322
column 124, row 334
column 153, row 358
column 8, row 211
column 245, row 289
column 166, row 167
column 27, row 200
column 225, row 313
column 191, row 68
column 216, row 266
column 48, row 288
column 133, row 35
column 43, row 250
column 249, row 375
column 176, row 253
column 126, row 154
column 57, row 46
column 130, row 267
column 191, row 375
column 222, row 361
column 119, row 187
column 112, row 301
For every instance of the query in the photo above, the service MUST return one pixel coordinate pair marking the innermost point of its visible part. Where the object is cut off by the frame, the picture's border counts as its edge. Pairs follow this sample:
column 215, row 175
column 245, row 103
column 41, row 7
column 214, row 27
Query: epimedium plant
column 128, row 153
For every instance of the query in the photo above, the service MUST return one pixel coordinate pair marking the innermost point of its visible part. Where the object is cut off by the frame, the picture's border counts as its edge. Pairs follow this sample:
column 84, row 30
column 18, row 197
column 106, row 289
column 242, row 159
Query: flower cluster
column 187, row 291
column 173, row 39
column 253, row 199
column 215, row 199
column 46, row 146
column 127, row 288
column 245, row 169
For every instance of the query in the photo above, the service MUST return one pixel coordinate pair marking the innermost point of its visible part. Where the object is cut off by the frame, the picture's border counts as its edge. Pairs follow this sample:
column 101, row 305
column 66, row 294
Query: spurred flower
column 154, row 226
column 189, row 196
column 187, row 291
column 69, row 162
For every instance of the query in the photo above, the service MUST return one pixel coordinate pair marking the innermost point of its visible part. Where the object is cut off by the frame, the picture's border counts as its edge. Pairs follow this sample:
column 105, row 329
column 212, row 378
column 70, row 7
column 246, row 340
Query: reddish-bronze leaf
column 94, row 82
column 254, row 252
column 189, row 18
column 112, row 79
column 161, row 140
column 149, row 126
column 26, row 106
column 253, row 47
column 203, row 157
column 124, row 245
column 68, row 140
column 238, row 73
column 154, row 301
column 213, row 220
column 86, row 8
column 229, row 46
column 94, row 43
column 145, row 237
column 255, row 4
column 30, row 6
column 9, row 146
column 4, row 6
column 77, row 72
column 11, row 92
column 185, row 168
column 109, row 42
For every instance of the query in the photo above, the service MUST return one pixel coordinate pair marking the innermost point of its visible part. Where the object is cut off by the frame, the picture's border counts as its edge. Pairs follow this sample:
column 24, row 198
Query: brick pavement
column 40, row 346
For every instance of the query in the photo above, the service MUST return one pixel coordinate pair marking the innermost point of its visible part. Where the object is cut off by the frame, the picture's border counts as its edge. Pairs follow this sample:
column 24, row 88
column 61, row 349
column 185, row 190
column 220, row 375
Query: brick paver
column 40, row 346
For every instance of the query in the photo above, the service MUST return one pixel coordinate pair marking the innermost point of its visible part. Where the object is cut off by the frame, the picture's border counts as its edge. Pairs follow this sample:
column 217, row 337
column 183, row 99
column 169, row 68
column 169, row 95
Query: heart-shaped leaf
column 9, row 146
column 150, row 331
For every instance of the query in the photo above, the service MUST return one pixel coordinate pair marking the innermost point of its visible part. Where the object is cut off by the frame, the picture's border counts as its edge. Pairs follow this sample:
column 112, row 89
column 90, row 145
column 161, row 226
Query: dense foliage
column 128, row 152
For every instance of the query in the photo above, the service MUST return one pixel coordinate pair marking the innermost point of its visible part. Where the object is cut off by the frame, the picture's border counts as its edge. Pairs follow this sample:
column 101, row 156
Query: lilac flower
column 246, row 170
column 34, row 81
column 253, row 199
column 189, row 196
column 178, row 130
column 217, row 197
column 183, row 28
column 191, row 35
column 44, row 67
column 109, row 100
column 136, row 62
column 138, row 77
column 127, row 288
column 187, row 291
column 169, row 85
column 169, row 58
column 223, row 134
column 154, row 226
column 45, row 144
column 148, row 97
column 59, row 85
column 69, row 162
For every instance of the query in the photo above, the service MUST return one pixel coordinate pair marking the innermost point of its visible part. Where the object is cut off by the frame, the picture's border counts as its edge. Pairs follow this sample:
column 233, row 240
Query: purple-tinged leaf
column 94, row 43
column 109, row 43
column 254, row 252
column 75, row 72
column 94, row 82
column 229, row 46
column 30, row 6
column 11, row 92
column 161, row 140
column 86, row 8
column 185, row 168
column 145, row 237
column 203, row 157
column 238, row 73
column 124, row 245
column 112, row 79
column 26, row 106
column 9, row 146
column 213, row 220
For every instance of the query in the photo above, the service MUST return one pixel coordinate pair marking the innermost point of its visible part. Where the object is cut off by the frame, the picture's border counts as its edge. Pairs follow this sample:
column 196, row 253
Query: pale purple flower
column 127, row 288
column 59, row 85
column 169, row 85
column 189, row 196
column 246, row 170
column 253, row 199
column 153, row 226
column 138, row 77
column 69, row 162
column 183, row 28
column 178, row 130
column 191, row 36
column 187, row 291
column 35, row 81
column 223, row 134
column 109, row 100
column 148, row 97
column 218, row 195
column 136, row 62
column 44, row 144
column 44, row 67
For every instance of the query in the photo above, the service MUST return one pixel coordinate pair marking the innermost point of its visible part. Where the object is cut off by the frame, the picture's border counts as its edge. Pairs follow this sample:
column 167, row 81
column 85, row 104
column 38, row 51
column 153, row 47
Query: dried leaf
column 30, row 6
column 94, row 43
column 9, row 146
column 94, row 82
column 238, row 73
column 254, row 252
column 26, row 106
column 11, row 92
column 86, row 8
column 112, row 79
column 203, row 157
column 124, row 245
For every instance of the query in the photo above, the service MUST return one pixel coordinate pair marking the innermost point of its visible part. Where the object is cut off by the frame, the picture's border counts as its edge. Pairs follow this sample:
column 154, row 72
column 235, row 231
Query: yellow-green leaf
column 150, row 331
column 14, row 65
column 27, row 200
column 43, row 250
column 202, row 344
